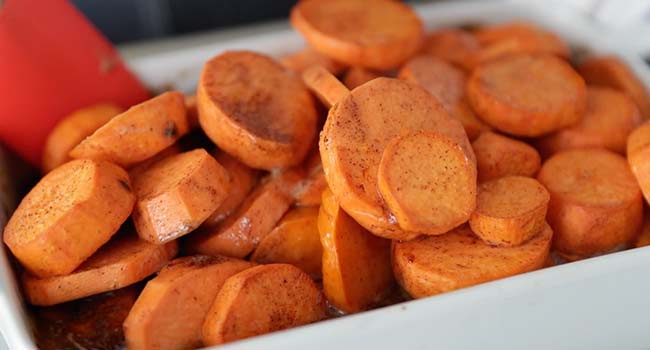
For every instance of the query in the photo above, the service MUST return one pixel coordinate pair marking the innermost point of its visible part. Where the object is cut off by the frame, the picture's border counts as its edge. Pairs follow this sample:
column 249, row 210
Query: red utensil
column 52, row 62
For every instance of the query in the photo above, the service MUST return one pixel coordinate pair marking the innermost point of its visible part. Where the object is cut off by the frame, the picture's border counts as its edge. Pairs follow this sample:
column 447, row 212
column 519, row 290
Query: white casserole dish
column 599, row 303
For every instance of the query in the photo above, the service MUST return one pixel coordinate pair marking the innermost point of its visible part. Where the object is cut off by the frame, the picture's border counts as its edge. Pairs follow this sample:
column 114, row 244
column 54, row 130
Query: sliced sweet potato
column 442, row 80
column 73, row 129
column 527, row 95
column 242, row 231
column 356, row 264
column 510, row 210
column 459, row 259
column 455, row 46
column 255, row 110
column 515, row 38
column 68, row 215
column 139, row 133
column 356, row 132
column 498, row 156
column 613, row 72
column 141, row 167
column 307, row 57
column 177, row 194
column 428, row 182
column 124, row 260
column 638, row 156
column 170, row 311
column 356, row 76
column 294, row 241
column 261, row 300
column 241, row 178
column 610, row 118
column 328, row 89
column 355, row 32
column 596, row 205
column 471, row 123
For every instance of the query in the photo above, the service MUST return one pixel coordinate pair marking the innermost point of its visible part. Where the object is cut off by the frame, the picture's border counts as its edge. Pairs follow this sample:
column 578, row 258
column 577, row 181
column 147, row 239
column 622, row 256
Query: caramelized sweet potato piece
column 356, row 264
column 455, row 46
column 177, row 194
column 498, row 156
column 610, row 118
column 73, row 129
column 68, row 215
column 356, row 32
column 121, row 262
column 261, row 300
column 428, row 182
column 510, row 210
column 139, row 133
column 170, row 311
column 255, row 110
column 459, row 259
column 527, row 95
column 294, row 241
column 596, row 205
column 242, row 231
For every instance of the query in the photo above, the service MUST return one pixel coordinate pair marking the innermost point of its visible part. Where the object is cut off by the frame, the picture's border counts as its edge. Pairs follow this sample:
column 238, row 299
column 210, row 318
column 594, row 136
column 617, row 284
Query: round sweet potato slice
column 638, row 156
column 73, row 129
column 377, row 34
column 515, row 38
column 261, row 300
column 325, row 86
column 68, row 215
column 459, row 259
column 255, row 110
column 498, row 156
column 170, row 311
column 294, row 241
column 356, row 264
column 427, row 182
column 596, row 205
column 356, row 133
column 177, row 194
column 510, row 210
column 527, row 95
column 610, row 118
column 611, row 71
column 455, row 46
column 139, row 133
column 124, row 260
column 442, row 80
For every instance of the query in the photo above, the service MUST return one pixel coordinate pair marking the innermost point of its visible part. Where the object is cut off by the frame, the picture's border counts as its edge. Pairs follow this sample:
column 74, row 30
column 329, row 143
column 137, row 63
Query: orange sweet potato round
column 255, row 110
column 527, row 95
column 378, row 34
column 498, row 156
column 596, row 205
column 455, row 46
column 459, row 259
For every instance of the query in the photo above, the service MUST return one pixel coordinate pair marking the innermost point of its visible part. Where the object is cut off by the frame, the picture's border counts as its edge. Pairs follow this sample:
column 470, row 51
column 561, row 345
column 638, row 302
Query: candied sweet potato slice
column 456, row 46
column 596, row 205
column 356, row 133
column 255, row 110
column 261, row 300
column 613, row 72
column 437, row 264
column 124, row 260
column 295, row 240
column 170, row 311
column 638, row 156
column 139, row 133
column 527, row 95
column 242, row 231
column 610, row 118
column 498, row 156
column 510, row 210
column 356, row 264
column 68, row 215
column 356, row 32
column 73, row 129
column 328, row 89
column 177, row 194
column 442, row 80
column 428, row 182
